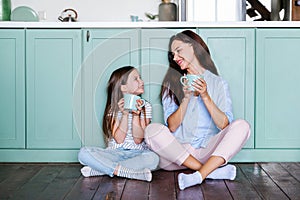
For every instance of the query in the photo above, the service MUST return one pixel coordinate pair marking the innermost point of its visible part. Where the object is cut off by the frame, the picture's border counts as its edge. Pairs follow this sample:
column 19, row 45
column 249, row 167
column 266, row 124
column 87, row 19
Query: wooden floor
column 64, row 181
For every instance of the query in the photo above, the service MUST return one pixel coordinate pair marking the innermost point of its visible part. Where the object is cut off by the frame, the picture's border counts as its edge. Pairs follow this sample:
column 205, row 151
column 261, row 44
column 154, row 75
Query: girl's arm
column 120, row 127
column 138, row 125
column 137, row 129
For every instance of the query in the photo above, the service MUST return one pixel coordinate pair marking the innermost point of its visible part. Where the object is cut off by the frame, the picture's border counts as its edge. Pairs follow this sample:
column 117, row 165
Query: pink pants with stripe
column 226, row 144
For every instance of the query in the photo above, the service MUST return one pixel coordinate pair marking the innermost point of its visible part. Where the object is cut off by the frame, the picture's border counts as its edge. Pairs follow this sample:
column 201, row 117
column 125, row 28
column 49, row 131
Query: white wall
column 93, row 10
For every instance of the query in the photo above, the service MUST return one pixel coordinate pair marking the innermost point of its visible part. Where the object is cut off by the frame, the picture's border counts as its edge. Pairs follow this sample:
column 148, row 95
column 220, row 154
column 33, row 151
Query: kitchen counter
column 241, row 24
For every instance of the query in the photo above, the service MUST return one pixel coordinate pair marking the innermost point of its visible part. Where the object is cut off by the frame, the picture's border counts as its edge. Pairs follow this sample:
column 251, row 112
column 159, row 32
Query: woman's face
column 183, row 54
column 134, row 85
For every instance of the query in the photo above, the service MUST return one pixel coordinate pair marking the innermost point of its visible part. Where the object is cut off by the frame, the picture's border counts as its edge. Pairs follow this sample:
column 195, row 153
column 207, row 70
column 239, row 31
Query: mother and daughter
column 200, row 132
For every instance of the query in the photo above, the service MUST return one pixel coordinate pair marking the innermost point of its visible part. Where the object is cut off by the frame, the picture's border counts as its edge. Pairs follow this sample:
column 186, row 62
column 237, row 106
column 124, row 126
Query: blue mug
column 130, row 102
column 188, row 80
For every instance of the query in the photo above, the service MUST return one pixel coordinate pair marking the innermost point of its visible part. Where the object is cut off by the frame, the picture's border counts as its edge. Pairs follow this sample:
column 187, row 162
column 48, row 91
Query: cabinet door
column 53, row 59
column 277, row 86
column 12, row 88
column 104, row 51
column 233, row 52
column 154, row 47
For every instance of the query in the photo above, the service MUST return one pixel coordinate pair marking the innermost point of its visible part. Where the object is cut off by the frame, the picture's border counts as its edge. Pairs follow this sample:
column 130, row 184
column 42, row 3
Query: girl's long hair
column 171, row 85
column 114, row 94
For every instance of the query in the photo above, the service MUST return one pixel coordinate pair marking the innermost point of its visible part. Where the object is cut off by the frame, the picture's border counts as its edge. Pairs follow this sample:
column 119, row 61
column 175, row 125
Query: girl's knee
column 83, row 152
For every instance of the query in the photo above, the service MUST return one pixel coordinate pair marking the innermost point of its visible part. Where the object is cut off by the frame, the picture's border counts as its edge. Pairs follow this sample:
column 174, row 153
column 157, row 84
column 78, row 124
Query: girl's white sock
column 188, row 180
column 226, row 172
column 86, row 171
column 144, row 175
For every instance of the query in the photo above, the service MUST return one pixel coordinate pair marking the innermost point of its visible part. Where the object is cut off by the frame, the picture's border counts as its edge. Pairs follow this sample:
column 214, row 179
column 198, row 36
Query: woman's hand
column 200, row 88
column 186, row 90
column 121, row 107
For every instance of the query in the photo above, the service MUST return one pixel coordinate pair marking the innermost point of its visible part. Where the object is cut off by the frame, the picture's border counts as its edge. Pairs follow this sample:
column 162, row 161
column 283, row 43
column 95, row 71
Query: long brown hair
column 171, row 85
column 114, row 94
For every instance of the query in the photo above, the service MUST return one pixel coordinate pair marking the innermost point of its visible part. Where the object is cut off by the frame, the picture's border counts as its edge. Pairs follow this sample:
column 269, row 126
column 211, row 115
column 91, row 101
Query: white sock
column 226, row 172
column 188, row 180
column 86, row 171
column 144, row 175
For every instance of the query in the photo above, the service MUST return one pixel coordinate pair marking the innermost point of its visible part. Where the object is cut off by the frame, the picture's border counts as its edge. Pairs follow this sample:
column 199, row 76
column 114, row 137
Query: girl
column 127, row 155
column 201, row 133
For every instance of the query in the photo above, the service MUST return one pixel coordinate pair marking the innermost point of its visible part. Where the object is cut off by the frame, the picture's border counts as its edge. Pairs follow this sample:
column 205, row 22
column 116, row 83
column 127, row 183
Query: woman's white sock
column 226, row 172
column 86, row 171
column 188, row 180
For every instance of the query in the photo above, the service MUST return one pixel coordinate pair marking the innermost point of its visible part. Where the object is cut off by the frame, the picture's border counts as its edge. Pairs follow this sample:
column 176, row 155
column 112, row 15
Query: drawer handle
column 88, row 36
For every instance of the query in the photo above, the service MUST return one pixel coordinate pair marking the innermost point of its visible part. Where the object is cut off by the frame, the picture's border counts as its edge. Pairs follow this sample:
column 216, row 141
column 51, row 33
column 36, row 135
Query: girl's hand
column 121, row 107
column 138, row 106
column 200, row 88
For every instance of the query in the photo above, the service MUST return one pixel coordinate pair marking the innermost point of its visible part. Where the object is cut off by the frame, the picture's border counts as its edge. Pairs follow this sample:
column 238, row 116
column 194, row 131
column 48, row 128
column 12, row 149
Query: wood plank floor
column 64, row 181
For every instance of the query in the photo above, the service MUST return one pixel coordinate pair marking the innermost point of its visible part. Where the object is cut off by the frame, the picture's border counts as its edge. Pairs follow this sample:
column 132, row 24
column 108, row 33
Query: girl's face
column 134, row 85
column 183, row 54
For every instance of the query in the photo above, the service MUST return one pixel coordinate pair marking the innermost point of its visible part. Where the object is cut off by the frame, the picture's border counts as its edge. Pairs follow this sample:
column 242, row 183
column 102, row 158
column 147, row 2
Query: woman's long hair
column 114, row 94
column 171, row 85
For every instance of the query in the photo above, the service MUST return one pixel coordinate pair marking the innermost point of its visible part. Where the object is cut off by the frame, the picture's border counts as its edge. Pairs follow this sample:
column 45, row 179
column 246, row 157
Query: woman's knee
column 153, row 130
column 243, row 126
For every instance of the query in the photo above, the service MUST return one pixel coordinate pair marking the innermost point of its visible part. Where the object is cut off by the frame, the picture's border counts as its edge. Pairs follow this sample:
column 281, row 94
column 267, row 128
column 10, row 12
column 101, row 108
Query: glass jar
column 167, row 11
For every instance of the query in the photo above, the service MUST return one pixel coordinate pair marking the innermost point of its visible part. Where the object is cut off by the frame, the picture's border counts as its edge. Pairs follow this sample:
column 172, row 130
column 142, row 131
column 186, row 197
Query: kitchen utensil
column 68, row 15
column 24, row 14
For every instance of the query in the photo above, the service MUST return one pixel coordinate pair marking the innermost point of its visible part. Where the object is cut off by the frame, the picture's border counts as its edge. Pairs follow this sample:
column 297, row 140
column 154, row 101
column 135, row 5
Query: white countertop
column 241, row 24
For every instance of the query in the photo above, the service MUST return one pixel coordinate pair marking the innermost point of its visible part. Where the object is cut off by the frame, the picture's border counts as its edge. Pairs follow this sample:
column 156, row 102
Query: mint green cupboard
column 53, row 59
column 233, row 52
column 277, row 89
column 104, row 51
column 12, row 88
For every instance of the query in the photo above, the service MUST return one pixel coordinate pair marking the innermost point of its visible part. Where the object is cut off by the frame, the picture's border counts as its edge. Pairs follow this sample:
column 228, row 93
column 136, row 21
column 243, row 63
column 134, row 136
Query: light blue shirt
column 197, row 126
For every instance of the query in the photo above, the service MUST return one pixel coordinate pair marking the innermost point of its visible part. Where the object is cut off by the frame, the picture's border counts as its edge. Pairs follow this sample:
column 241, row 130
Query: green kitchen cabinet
column 233, row 52
column 277, row 89
column 53, row 59
column 154, row 65
column 104, row 51
column 12, row 88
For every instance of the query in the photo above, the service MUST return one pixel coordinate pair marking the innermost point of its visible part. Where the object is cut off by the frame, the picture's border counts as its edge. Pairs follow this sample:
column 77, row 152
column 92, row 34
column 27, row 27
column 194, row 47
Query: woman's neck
column 195, row 69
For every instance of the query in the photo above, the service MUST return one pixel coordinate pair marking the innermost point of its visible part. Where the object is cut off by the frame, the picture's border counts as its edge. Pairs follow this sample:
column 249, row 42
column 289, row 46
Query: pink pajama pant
column 227, row 143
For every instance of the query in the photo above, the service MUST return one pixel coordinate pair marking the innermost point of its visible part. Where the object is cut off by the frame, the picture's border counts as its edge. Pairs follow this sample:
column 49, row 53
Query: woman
column 200, row 132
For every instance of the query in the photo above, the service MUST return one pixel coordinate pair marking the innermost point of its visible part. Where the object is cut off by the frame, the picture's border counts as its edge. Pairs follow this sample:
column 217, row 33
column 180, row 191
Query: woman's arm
column 176, row 118
column 219, row 117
